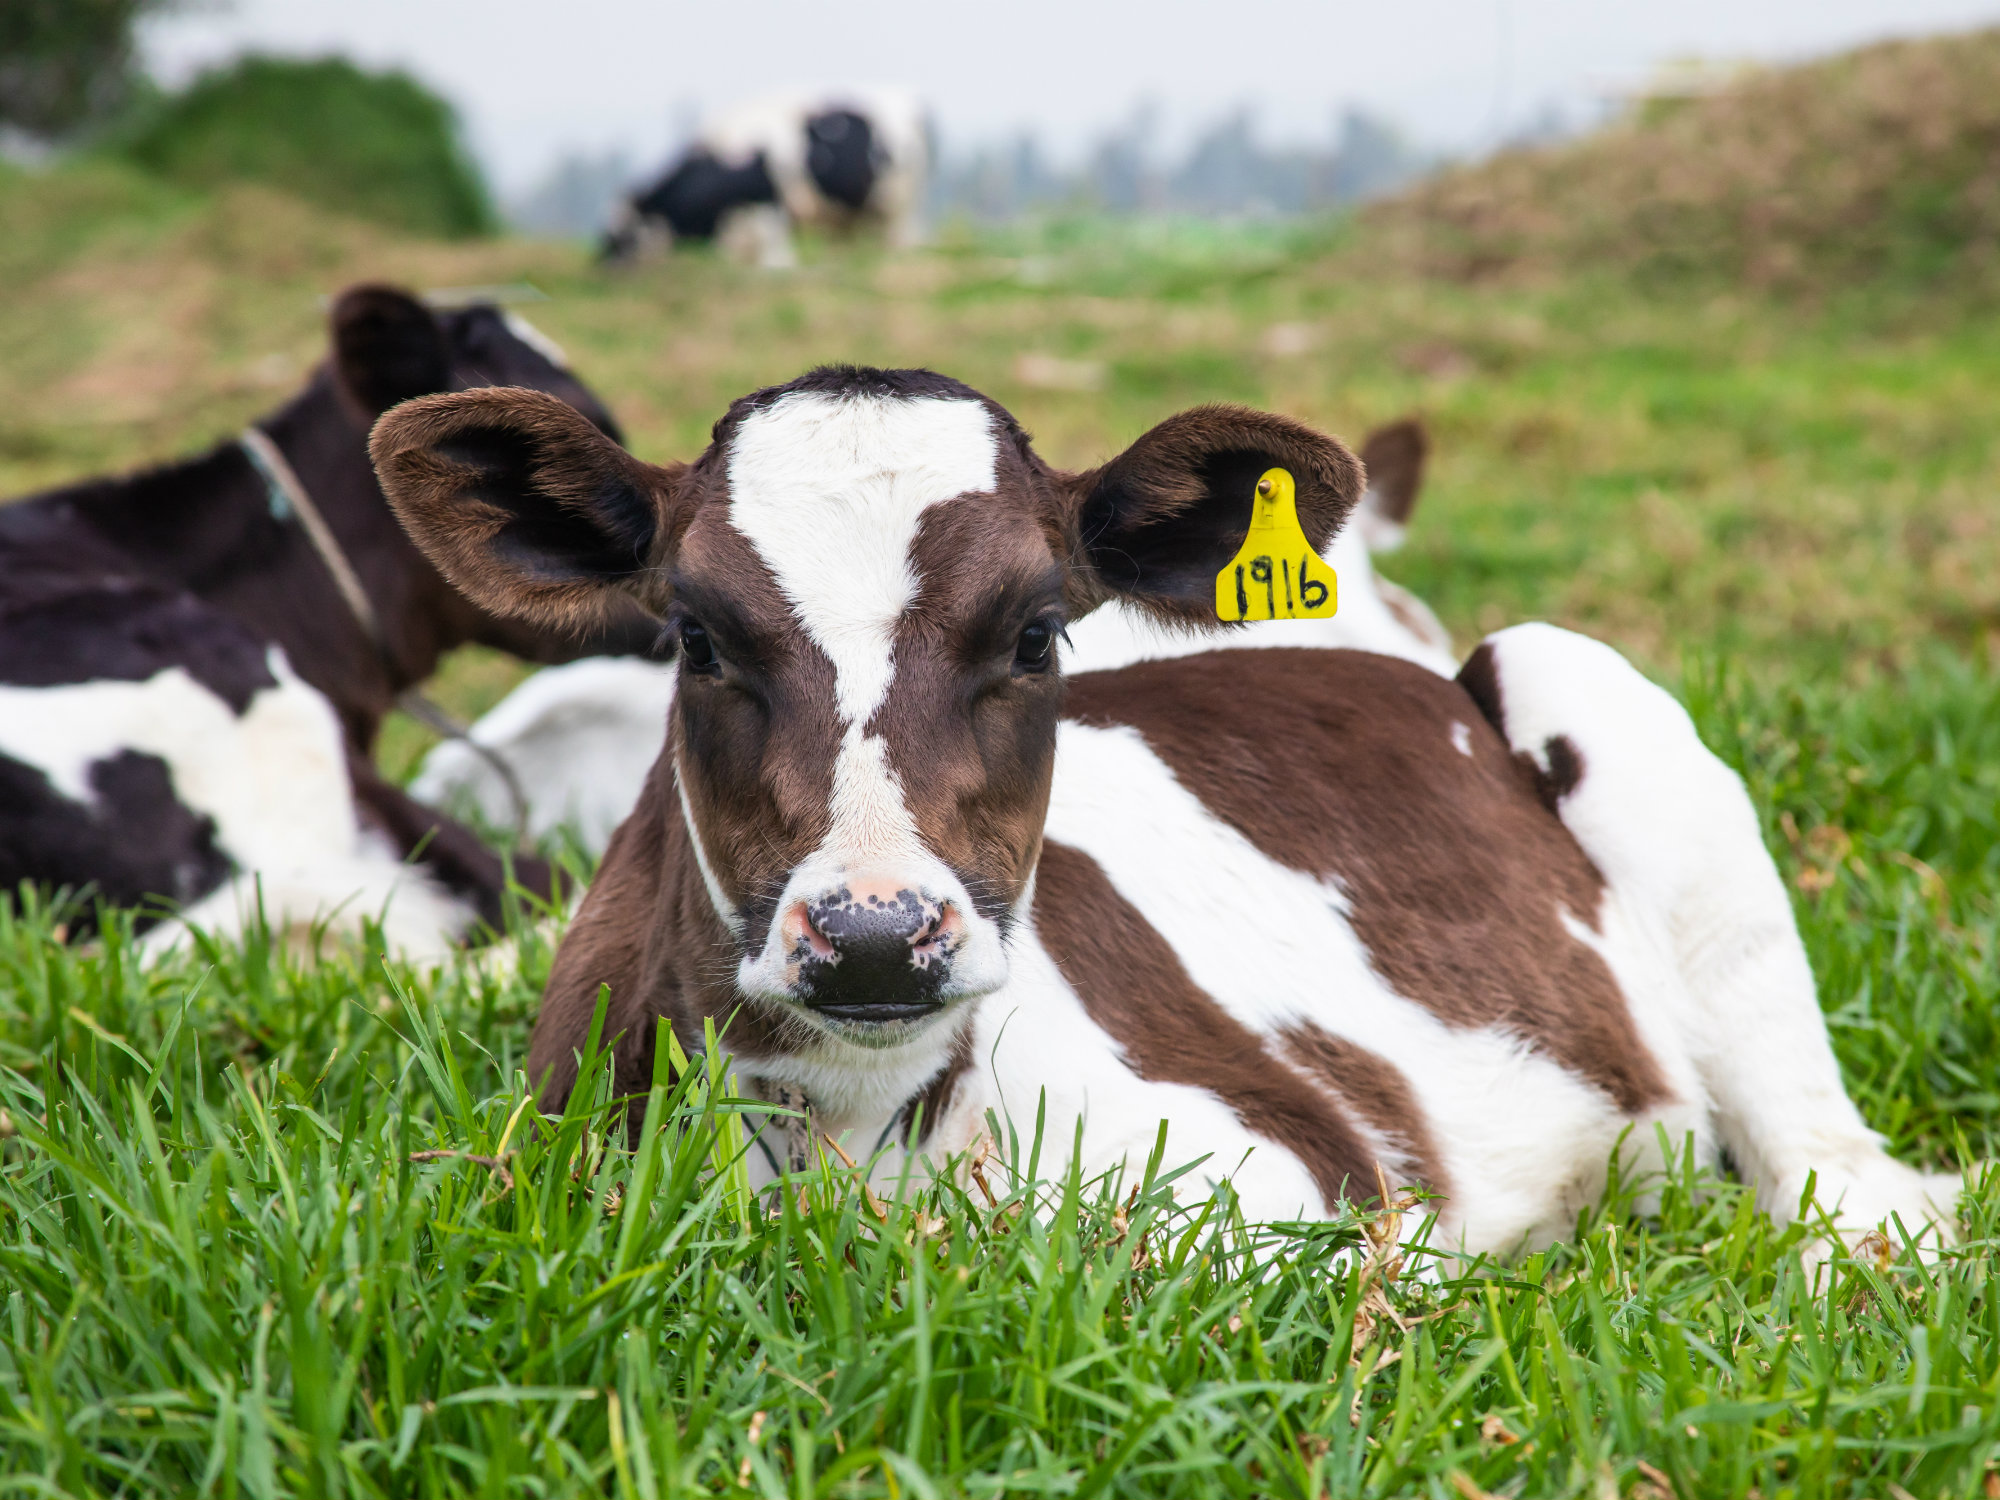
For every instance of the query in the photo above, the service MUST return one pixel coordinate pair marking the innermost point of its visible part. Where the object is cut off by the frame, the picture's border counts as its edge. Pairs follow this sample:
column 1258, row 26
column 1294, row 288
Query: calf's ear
column 1394, row 456
column 1156, row 524
column 525, row 506
column 387, row 347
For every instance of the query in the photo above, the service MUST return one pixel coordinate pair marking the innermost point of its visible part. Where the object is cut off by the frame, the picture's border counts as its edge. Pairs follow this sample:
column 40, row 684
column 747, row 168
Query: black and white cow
column 577, row 741
column 1322, row 911
column 188, row 700
column 833, row 160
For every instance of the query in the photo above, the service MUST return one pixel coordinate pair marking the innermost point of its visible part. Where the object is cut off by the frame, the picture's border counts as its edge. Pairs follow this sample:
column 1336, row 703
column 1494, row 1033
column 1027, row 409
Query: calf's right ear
column 525, row 506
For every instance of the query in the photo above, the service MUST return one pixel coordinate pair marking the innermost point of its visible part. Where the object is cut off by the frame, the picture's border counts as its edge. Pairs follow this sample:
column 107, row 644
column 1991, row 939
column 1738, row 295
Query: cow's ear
column 1394, row 456
column 387, row 348
column 1157, row 523
column 525, row 506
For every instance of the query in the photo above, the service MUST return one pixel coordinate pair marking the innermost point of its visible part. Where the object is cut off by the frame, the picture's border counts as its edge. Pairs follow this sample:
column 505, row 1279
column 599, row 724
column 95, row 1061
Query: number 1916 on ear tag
column 1276, row 575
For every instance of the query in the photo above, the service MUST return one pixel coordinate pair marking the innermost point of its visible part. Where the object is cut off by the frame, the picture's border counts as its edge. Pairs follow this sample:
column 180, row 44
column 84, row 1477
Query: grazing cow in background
column 836, row 161
column 579, row 740
column 194, row 660
column 1324, row 912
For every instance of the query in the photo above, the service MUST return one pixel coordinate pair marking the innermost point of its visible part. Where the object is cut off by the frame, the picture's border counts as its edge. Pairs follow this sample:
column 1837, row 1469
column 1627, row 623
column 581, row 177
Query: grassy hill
column 1877, row 166
column 231, row 1261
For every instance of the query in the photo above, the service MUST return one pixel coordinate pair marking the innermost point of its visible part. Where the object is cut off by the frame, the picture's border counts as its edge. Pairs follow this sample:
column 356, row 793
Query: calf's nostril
column 804, row 936
column 941, row 934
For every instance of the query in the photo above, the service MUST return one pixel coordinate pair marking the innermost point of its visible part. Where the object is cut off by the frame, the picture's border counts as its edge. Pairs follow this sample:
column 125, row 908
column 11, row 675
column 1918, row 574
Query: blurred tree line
column 379, row 146
column 67, row 64
column 1226, row 169
column 382, row 146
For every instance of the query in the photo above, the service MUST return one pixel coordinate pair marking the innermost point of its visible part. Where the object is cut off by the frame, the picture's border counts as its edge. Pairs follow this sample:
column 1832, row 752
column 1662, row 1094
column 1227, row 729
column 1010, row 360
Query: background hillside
column 1877, row 165
column 1641, row 429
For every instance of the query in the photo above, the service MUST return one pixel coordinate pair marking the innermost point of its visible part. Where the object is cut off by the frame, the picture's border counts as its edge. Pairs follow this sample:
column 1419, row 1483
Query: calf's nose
column 854, row 926
column 873, row 950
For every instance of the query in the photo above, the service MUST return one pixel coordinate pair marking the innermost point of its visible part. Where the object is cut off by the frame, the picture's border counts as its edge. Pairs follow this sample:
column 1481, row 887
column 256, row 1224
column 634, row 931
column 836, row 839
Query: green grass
column 226, row 1266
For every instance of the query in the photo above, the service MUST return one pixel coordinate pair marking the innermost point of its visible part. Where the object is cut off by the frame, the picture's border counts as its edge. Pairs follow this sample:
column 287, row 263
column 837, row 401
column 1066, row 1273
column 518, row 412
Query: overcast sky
column 535, row 78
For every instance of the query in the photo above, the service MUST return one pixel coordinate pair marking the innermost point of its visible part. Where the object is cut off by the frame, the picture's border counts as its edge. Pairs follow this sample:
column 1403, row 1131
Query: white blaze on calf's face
column 831, row 490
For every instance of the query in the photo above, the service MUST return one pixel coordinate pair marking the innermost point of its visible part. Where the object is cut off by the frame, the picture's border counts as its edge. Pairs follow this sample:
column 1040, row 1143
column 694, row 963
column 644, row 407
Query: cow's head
column 866, row 572
column 388, row 347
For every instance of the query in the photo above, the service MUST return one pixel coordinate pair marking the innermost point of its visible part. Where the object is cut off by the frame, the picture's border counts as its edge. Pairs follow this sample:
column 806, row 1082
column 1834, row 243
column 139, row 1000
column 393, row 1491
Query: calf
column 1322, row 912
column 576, row 742
column 195, row 660
column 836, row 161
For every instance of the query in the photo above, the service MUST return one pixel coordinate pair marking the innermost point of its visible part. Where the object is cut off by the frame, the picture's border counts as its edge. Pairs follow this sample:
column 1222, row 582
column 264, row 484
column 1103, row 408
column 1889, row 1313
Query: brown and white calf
column 1319, row 911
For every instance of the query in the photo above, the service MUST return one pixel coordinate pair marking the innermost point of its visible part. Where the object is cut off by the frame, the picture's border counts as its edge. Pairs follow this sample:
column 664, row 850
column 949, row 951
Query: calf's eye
column 1036, row 648
column 697, row 650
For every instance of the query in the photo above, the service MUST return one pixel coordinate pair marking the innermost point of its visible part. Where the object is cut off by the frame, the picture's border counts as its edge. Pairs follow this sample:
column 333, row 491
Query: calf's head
column 866, row 573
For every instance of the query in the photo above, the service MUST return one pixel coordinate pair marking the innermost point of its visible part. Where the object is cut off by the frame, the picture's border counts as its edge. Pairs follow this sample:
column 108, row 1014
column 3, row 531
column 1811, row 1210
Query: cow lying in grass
column 1323, row 912
column 578, row 741
column 191, row 681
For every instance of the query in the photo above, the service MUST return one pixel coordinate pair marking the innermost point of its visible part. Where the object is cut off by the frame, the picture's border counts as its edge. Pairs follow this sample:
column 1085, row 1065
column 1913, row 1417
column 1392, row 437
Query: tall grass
column 1882, row 800
column 277, row 1223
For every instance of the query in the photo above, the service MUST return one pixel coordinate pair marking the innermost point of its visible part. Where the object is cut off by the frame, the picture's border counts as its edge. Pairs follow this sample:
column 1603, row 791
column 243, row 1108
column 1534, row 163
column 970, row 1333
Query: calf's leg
column 1672, row 830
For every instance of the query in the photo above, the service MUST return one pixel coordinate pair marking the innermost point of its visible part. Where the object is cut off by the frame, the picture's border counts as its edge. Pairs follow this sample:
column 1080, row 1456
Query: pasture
column 273, row 1222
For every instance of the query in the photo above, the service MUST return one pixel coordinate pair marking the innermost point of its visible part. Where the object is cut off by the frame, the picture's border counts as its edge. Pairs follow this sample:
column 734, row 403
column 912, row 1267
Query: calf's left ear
column 525, row 506
column 1157, row 523
column 1394, row 456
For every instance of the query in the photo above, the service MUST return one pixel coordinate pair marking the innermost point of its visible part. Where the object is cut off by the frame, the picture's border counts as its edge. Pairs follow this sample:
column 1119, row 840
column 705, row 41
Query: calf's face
column 866, row 652
column 866, row 574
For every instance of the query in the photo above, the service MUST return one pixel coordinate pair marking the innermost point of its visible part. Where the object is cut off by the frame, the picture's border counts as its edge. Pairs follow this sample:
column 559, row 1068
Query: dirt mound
column 1879, row 162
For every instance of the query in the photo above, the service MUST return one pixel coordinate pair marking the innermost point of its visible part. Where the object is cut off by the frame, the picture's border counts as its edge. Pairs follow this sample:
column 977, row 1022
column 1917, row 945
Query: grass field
column 234, row 1261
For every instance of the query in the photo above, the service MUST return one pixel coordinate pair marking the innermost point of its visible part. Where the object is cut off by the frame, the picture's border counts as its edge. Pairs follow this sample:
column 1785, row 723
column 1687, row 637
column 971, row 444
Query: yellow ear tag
column 1276, row 575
